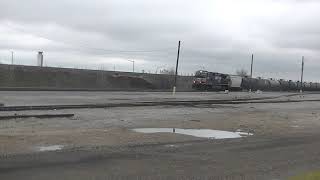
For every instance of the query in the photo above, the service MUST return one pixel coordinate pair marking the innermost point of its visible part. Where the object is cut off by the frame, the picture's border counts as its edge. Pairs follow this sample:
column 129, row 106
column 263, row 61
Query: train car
column 262, row 84
column 254, row 84
column 274, row 85
column 250, row 83
column 284, row 85
column 307, row 86
column 298, row 85
column 235, row 82
column 292, row 85
column 313, row 86
column 204, row 80
column 245, row 84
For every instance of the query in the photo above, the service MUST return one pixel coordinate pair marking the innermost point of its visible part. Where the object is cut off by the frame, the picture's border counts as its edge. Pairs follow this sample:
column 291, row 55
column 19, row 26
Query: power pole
column 251, row 73
column 251, row 65
column 177, row 64
column 12, row 57
column 302, row 67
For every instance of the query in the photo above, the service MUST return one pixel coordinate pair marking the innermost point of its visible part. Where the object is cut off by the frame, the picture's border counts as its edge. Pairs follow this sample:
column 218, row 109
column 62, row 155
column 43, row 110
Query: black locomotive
column 204, row 80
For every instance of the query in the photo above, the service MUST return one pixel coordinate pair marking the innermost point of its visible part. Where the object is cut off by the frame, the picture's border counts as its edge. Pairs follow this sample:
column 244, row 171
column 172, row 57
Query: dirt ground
column 99, row 143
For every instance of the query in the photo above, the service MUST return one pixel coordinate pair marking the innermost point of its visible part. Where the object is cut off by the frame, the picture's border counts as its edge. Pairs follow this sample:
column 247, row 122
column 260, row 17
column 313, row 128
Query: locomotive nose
column 199, row 81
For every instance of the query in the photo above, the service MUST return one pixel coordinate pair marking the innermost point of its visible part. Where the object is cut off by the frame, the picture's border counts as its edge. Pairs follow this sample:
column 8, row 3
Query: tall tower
column 40, row 58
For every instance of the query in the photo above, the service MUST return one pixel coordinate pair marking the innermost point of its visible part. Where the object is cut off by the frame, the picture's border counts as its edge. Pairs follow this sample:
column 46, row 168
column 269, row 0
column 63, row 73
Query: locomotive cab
column 204, row 80
column 200, row 80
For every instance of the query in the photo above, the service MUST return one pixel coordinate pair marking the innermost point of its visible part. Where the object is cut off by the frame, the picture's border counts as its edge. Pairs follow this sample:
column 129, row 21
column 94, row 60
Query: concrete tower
column 40, row 58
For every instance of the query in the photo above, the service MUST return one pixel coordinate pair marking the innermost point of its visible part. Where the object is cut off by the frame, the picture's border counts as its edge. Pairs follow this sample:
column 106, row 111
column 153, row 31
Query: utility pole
column 177, row 64
column 251, row 73
column 12, row 57
column 251, row 65
column 302, row 67
column 132, row 64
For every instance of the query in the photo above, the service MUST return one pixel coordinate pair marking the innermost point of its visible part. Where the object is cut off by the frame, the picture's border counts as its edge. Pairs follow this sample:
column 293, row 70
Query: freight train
column 204, row 80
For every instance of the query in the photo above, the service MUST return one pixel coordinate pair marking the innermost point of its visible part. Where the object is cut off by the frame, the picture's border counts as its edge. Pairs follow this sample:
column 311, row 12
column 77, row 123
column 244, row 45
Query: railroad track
column 152, row 103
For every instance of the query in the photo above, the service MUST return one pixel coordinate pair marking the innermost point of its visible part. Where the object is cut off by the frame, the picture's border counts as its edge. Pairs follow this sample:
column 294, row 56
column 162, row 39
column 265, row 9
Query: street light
column 132, row 64
column 12, row 57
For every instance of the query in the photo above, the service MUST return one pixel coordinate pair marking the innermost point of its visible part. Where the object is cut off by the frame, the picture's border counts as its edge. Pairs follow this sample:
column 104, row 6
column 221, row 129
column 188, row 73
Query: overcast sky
column 216, row 35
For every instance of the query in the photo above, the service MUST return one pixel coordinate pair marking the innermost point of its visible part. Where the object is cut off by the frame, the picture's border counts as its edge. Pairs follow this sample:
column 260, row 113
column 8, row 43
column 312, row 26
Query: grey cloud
column 212, row 36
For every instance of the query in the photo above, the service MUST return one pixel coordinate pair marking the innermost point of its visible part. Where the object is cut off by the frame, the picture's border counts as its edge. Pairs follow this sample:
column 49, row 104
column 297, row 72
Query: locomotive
column 204, row 80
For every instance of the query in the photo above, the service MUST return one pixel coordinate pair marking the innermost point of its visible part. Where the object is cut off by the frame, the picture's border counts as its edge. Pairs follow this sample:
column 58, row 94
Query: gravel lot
column 99, row 143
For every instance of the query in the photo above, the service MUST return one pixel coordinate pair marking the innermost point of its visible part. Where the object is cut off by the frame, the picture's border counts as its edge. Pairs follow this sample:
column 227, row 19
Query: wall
column 17, row 76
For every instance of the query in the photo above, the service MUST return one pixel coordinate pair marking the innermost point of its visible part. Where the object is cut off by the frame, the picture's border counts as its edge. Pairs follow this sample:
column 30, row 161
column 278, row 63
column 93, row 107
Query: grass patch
column 309, row 176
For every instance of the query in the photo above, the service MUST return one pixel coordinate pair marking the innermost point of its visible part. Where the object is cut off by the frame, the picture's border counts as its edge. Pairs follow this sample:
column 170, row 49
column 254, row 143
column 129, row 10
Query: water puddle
column 50, row 148
column 203, row 133
column 171, row 146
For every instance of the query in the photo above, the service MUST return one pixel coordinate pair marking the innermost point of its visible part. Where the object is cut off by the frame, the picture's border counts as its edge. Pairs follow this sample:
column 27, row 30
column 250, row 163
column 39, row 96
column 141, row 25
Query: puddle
column 50, row 148
column 203, row 133
column 244, row 133
column 171, row 146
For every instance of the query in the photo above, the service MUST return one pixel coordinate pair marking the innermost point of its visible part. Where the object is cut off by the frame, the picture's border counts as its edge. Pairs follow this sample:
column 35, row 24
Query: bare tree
column 170, row 71
column 242, row 72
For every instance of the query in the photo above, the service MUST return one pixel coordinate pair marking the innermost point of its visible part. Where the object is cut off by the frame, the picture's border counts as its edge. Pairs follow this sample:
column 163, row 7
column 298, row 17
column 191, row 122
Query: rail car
column 204, row 80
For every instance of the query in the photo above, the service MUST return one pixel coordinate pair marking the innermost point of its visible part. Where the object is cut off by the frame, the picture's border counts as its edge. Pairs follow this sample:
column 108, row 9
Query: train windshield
column 201, row 74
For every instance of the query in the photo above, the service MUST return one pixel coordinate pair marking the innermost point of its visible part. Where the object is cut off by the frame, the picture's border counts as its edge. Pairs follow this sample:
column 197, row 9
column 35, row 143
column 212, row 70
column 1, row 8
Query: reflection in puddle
column 203, row 133
column 171, row 145
column 50, row 148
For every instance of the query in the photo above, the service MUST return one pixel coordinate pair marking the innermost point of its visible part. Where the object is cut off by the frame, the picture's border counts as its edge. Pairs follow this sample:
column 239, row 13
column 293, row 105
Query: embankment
column 18, row 77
